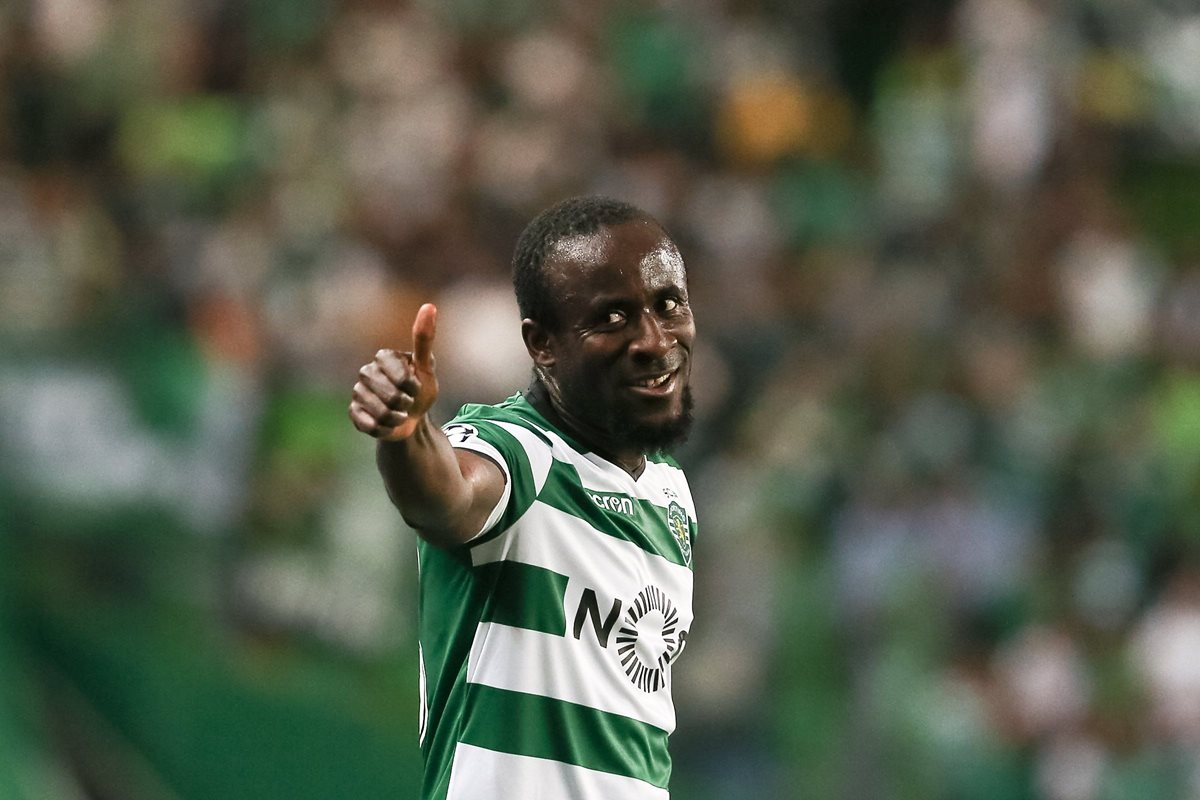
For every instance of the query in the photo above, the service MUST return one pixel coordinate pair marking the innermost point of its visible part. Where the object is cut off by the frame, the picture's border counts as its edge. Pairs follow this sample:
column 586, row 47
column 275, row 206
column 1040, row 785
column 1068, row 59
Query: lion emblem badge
column 677, row 522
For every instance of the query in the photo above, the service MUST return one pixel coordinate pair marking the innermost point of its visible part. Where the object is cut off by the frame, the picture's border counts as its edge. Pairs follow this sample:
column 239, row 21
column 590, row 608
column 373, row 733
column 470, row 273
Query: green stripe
column 646, row 526
column 524, row 596
column 541, row 727
column 663, row 458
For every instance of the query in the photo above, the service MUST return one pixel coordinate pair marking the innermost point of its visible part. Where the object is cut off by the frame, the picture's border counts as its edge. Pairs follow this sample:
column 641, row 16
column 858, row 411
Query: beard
column 652, row 438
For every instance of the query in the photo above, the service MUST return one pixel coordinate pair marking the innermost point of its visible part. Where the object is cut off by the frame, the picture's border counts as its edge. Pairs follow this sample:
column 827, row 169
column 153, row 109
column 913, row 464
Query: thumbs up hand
column 396, row 389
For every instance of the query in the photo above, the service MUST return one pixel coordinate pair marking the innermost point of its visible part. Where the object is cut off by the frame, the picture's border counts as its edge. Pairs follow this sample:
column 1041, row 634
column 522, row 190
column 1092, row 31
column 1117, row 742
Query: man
column 556, row 539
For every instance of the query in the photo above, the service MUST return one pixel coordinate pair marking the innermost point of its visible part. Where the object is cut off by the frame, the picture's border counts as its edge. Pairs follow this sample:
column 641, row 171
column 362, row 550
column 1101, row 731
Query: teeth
column 659, row 381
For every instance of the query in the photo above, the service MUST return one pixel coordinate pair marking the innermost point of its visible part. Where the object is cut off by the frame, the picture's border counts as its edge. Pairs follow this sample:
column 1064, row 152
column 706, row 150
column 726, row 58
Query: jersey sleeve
column 523, row 455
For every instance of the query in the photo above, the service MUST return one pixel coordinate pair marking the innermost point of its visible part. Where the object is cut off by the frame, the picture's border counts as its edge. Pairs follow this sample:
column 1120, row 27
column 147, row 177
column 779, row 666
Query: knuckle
column 362, row 396
column 393, row 399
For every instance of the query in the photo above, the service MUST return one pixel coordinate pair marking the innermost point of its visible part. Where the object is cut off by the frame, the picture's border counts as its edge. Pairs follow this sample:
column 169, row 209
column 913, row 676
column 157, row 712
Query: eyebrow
column 602, row 300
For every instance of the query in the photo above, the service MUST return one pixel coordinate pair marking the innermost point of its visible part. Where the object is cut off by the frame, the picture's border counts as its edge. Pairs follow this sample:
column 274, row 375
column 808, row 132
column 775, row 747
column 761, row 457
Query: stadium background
column 945, row 257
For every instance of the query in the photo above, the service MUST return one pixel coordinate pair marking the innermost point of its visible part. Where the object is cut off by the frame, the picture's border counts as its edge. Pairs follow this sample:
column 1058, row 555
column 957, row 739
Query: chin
column 652, row 435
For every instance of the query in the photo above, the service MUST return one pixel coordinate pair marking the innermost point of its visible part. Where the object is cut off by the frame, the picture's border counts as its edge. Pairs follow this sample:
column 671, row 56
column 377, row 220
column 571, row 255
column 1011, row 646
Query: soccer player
column 555, row 555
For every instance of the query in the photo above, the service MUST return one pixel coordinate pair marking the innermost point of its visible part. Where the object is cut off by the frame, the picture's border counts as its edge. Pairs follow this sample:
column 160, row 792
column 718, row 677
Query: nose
column 651, row 340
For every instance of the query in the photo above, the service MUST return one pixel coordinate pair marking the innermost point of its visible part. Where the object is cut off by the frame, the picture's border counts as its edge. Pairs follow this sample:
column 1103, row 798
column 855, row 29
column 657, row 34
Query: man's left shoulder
column 667, row 484
column 663, row 459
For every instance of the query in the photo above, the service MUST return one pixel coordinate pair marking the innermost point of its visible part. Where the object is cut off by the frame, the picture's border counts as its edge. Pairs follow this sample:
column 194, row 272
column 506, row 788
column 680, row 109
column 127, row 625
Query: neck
column 550, row 404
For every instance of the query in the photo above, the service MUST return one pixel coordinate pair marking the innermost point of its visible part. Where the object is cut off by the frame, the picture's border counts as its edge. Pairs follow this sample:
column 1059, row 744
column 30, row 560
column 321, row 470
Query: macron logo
column 613, row 502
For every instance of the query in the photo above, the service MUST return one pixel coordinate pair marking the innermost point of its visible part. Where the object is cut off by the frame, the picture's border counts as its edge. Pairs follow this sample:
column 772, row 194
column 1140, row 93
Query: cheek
column 589, row 381
column 592, row 376
column 686, row 332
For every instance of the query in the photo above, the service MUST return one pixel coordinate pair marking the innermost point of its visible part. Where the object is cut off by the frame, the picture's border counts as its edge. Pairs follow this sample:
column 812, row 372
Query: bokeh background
column 945, row 259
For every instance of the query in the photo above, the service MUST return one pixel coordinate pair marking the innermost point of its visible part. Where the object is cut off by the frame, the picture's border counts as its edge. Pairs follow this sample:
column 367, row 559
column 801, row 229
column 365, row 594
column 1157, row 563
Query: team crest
column 677, row 522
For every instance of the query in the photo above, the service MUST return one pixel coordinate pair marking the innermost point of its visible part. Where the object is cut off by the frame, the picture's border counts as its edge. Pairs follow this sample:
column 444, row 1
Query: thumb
column 424, row 329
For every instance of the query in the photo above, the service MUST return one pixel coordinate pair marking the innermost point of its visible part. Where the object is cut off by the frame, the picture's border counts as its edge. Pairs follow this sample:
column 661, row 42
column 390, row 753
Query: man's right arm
column 445, row 494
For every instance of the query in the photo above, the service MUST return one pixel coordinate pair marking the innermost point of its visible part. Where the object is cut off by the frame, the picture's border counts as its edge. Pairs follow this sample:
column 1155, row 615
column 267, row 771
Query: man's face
column 621, row 352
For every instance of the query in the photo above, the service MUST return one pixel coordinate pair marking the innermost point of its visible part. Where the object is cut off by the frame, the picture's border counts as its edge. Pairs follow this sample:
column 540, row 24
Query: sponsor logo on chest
column 648, row 637
column 619, row 503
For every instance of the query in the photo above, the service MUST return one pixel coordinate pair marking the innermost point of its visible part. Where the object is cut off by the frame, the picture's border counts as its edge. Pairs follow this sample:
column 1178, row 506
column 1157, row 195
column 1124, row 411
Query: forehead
column 638, row 250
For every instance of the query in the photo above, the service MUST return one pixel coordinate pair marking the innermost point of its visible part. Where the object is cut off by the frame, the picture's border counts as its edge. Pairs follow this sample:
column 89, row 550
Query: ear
column 539, row 343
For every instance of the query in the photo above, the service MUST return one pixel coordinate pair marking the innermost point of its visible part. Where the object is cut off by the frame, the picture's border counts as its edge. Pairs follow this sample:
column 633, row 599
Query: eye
column 672, row 304
column 614, row 318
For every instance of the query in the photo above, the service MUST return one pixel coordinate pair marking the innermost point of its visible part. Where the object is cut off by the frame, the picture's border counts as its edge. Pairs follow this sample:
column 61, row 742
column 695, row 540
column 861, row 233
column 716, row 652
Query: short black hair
column 574, row 216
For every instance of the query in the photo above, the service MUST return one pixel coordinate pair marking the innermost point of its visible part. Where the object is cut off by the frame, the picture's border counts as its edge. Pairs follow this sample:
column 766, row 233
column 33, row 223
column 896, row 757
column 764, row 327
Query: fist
column 395, row 390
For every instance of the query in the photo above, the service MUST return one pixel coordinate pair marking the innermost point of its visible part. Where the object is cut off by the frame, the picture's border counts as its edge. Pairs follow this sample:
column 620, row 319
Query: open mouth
column 655, row 384
column 651, row 383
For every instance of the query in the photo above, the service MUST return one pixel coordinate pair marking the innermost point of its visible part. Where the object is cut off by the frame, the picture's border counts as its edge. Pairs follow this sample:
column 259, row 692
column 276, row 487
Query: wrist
column 412, row 428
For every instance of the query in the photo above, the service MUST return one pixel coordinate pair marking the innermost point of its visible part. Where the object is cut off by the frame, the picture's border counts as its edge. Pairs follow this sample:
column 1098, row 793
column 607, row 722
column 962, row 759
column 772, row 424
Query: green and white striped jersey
column 547, row 641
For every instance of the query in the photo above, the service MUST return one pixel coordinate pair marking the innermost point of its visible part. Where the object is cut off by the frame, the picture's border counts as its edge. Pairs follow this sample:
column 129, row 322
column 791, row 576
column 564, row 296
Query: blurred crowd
column 945, row 262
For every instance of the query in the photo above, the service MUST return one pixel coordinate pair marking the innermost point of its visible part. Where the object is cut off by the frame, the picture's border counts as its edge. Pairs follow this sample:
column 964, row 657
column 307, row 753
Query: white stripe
column 555, row 540
column 565, row 668
column 661, row 484
column 536, row 450
column 480, row 774
column 423, row 709
column 478, row 445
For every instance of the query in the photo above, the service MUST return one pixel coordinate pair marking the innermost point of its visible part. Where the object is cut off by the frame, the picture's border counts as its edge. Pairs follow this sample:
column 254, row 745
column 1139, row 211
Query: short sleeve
column 465, row 436
column 522, row 454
